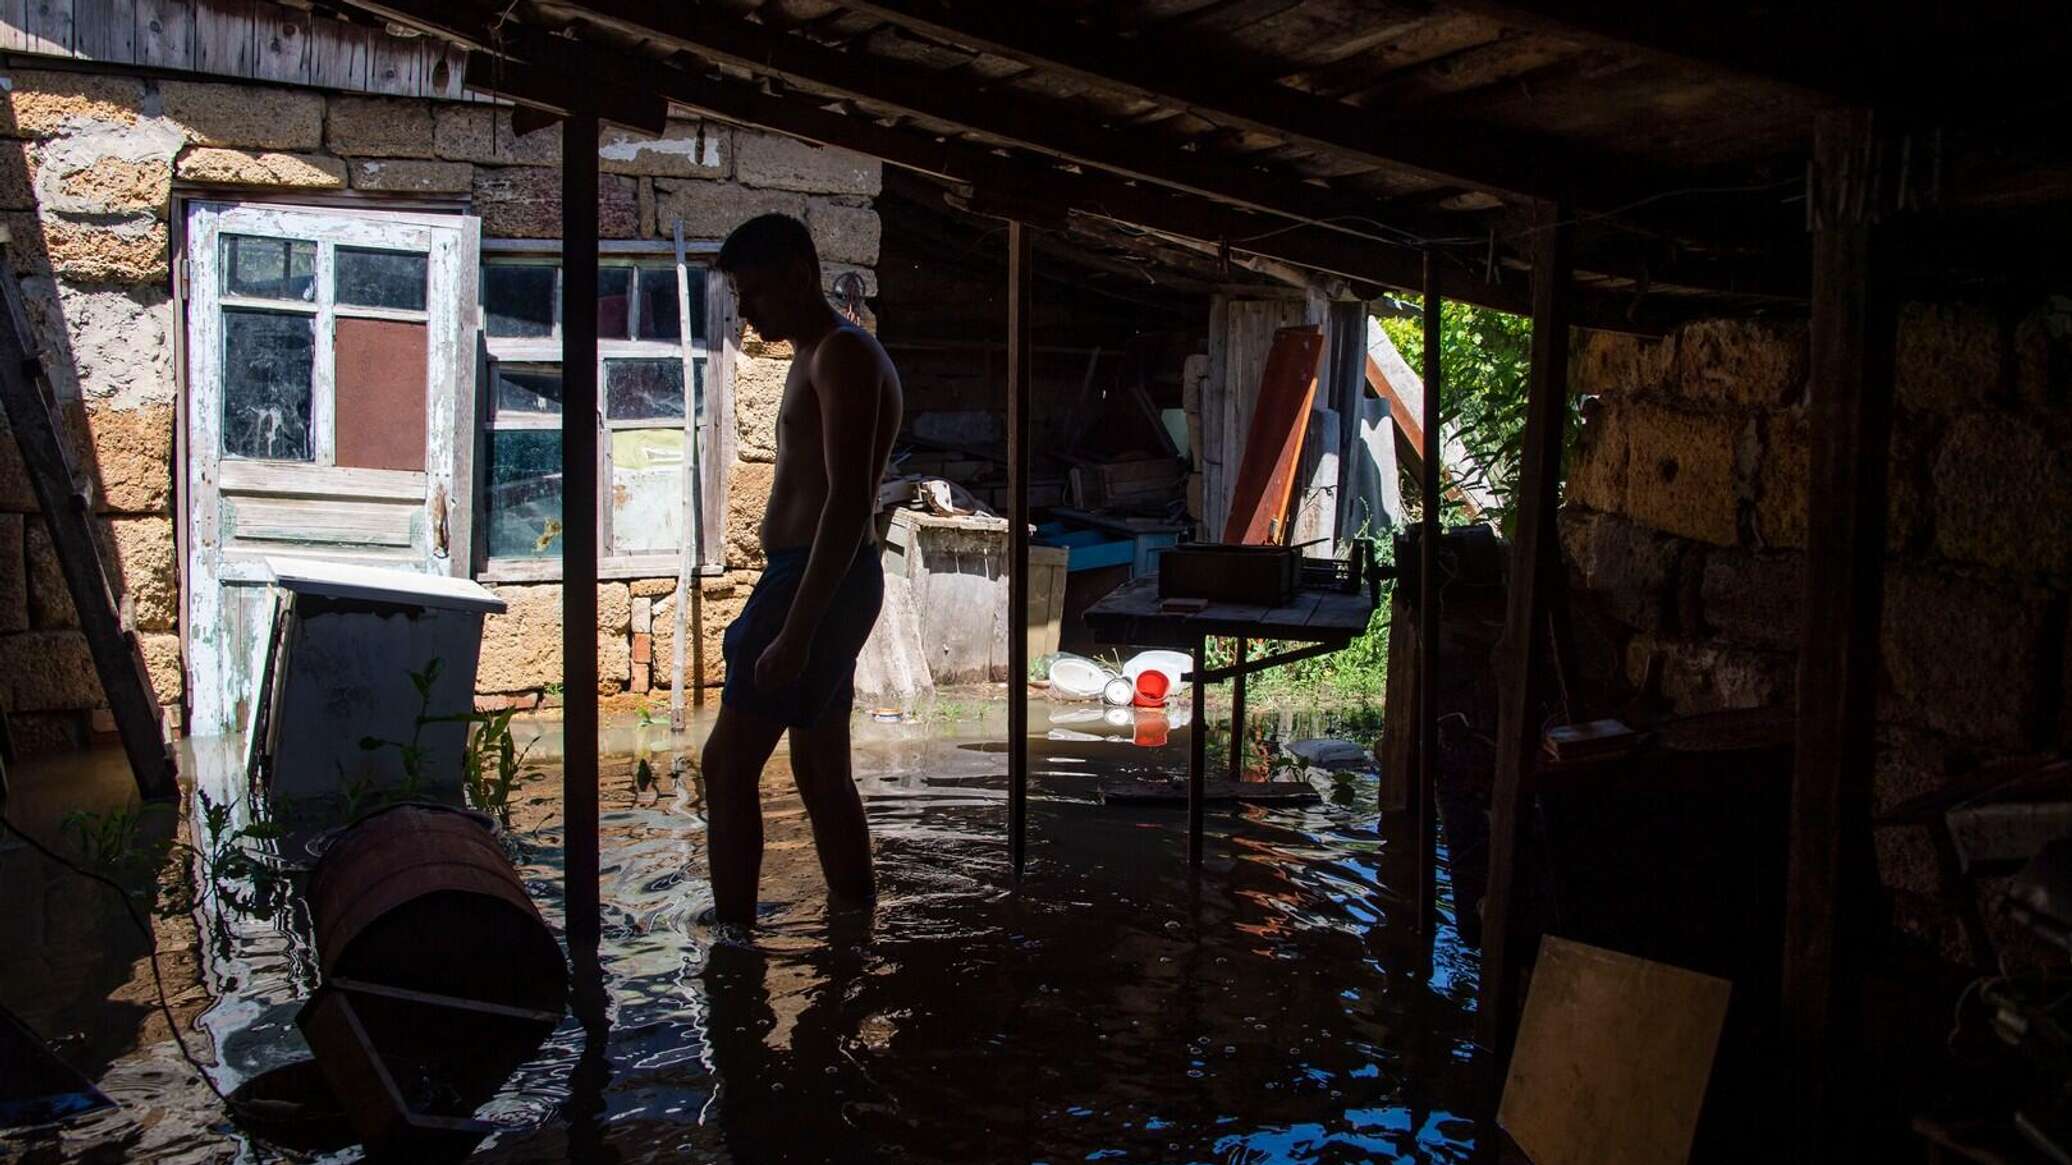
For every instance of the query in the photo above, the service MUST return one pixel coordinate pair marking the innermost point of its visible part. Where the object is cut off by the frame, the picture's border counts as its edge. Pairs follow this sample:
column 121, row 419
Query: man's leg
column 820, row 764
column 735, row 753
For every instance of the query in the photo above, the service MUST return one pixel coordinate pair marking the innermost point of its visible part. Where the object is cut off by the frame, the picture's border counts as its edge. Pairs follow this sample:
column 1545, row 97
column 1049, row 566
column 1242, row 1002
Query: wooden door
column 329, row 378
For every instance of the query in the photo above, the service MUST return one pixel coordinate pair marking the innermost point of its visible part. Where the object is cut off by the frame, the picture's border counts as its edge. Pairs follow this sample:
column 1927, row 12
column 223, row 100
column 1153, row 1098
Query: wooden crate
column 1046, row 598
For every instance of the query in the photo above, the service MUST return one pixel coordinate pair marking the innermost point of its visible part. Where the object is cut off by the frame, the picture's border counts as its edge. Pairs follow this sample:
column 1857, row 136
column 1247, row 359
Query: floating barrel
column 440, row 978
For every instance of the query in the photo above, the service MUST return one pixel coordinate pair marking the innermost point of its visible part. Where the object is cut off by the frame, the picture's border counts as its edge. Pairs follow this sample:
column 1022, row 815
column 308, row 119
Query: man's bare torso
column 800, row 488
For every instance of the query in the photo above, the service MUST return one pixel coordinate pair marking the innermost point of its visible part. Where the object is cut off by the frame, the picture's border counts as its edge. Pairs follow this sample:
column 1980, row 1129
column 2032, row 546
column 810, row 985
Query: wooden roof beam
column 1137, row 155
column 1478, row 157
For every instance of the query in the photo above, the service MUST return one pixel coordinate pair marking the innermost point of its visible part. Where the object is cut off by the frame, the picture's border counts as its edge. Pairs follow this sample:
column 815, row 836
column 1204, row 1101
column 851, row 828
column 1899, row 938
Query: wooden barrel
column 422, row 898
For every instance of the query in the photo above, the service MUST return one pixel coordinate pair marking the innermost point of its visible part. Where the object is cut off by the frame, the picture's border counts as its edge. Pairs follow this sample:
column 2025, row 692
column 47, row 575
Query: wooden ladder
column 34, row 416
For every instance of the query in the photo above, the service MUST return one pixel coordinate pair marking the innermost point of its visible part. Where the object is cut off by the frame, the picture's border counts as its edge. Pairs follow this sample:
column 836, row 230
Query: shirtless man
column 791, row 656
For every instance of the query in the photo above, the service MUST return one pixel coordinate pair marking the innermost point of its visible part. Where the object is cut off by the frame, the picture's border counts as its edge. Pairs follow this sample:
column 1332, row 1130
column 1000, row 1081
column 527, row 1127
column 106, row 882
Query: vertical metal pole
column 1534, row 570
column 1020, row 283
column 1853, row 335
column 1198, row 749
column 1424, row 808
column 579, row 549
column 1237, row 715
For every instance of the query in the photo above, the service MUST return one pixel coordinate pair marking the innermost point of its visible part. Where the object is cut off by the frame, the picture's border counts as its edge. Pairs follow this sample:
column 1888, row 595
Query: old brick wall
column 1685, row 531
column 88, row 168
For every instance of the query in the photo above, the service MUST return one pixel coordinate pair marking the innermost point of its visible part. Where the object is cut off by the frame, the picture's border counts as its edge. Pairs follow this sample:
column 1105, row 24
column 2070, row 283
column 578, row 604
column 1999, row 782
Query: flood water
column 1274, row 1008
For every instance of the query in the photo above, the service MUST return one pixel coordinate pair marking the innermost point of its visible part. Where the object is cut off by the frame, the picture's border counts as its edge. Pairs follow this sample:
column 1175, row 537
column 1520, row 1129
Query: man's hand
column 781, row 662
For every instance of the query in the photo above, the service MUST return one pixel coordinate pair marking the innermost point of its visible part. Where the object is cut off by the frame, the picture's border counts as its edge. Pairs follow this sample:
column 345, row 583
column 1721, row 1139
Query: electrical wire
column 136, row 917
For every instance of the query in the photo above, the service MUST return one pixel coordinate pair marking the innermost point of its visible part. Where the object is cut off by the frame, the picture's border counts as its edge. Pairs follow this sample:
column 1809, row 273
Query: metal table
column 1323, row 620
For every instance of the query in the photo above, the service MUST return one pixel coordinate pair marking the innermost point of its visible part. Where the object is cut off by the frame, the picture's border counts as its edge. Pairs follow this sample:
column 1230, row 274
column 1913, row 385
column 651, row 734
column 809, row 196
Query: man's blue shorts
column 827, row 685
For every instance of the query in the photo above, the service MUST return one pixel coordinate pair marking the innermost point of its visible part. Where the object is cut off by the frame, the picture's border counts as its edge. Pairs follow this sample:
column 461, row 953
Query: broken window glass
column 658, row 319
column 266, row 268
column 646, row 490
column 369, row 278
column 528, row 389
column 524, row 493
column 641, row 390
column 518, row 299
column 614, row 319
column 267, row 361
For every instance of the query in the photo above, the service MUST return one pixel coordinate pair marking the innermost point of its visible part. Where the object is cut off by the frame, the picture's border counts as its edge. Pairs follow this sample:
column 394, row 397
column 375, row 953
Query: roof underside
column 1350, row 136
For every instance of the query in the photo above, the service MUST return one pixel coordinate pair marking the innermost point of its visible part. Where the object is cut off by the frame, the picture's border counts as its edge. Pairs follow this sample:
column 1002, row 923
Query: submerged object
column 1151, row 688
column 440, row 978
column 1118, row 692
column 1078, row 677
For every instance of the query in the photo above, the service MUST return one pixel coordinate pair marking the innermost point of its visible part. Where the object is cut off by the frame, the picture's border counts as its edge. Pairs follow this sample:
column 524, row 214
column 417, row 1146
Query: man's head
column 775, row 271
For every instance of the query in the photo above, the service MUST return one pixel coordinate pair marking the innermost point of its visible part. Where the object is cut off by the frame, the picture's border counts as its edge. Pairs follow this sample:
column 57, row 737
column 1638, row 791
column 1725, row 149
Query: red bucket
column 1152, row 686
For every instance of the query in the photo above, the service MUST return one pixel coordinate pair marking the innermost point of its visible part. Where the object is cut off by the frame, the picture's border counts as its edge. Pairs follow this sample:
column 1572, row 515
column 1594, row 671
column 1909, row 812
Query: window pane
column 269, row 268
column 531, row 389
column 613, row 289
column 637, row 390
column 518, row 298
column 267, row 359
column 381, row 278
column 646, row 490
column 524, row 493
column 658, row 319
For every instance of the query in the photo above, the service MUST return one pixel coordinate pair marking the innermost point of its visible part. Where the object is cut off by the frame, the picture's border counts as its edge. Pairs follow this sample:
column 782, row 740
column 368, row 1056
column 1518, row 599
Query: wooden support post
column 1423, row 784
column 1853, row 335
column 1237, row 715
column 1020, row 285
column 579, row 547
column 1197, row 748
column 1535, row 564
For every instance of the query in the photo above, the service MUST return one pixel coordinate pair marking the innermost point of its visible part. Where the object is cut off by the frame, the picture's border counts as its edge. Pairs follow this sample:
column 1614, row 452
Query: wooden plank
column 1614, row 1055
column 1423, row 785
column 338, row 54
column 14, row 30
column 105, row 30
column 333, row 520
column 280, row 44
column 47, row 27
column 1534, row 567
column 224, row 41
column 1828, row 903
column 1273, row 442
column 1021, row 288
column 165, row 34
column 579, row 540
column 394, row 65
column 443, row 75
column 276, row 479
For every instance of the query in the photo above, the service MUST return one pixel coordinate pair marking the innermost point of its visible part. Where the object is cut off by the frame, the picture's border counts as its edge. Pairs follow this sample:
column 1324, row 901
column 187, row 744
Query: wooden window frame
column 715, row 450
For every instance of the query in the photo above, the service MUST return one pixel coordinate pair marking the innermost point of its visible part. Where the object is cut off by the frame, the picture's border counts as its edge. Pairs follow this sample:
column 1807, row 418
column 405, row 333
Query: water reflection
column 1273, row 1009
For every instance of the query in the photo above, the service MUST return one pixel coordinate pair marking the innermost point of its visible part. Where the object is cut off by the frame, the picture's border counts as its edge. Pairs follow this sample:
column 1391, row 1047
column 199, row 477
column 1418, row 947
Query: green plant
column 644, row 715
column 1485, row 356
column 106, row 841
column 493, row 766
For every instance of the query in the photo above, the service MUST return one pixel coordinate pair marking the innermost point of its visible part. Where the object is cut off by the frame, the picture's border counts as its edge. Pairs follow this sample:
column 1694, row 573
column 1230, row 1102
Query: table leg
column 1237, row 716
column 1198, row 752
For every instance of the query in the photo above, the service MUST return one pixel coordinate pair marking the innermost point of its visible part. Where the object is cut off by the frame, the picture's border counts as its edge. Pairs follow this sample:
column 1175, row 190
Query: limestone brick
column 843, row 234
column 1742, row 362
column 2002, row 493
column 524, row 202
column 1948, row 356
column 481, row 134
column 1963, row 655
column 130, row 250
column 131, row 468
column 1680, row 467
column 262, row 168
column 49, row 671
column 387, row 127
column 685, row 149
column 748, row 496
column 758, row 392
column 711, row 210
column 1753, row 598
column 1632, row 570
column 413, row 176
column 144, row 569
column 521, row 647
column 780, row 163
column 14, row 578
column 1597, row 474
column 41, row 104
column 1613, row 364
column 163, row 666
column 248, row 116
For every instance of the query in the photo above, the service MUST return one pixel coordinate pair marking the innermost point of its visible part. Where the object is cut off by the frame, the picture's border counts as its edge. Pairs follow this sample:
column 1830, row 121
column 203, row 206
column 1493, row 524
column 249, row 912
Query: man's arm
column 844, row 378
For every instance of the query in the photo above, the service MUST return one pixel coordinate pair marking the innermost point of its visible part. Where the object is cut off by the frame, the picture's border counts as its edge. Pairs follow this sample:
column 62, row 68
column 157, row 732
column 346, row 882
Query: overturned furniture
column 440, row 978
column 356, row 653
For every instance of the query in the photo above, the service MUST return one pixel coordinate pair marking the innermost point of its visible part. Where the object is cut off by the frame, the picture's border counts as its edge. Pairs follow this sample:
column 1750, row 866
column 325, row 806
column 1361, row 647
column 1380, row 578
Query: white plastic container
column 1078, row 678
column 1174, row 664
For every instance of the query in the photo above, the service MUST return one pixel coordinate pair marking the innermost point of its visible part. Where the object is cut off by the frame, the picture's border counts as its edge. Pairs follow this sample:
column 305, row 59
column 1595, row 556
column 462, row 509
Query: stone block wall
column 89, row 166
column 1685, row 530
